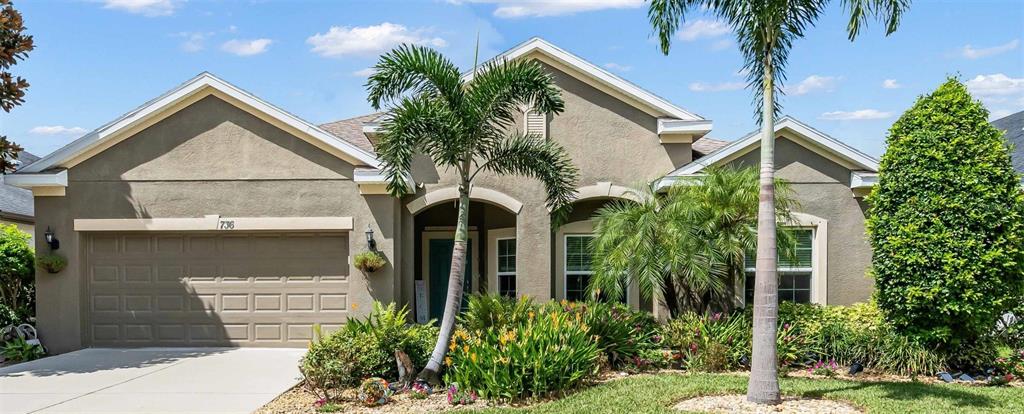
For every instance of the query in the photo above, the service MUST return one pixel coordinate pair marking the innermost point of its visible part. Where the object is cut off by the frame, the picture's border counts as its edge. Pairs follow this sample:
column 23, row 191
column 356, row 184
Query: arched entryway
column 491, row 260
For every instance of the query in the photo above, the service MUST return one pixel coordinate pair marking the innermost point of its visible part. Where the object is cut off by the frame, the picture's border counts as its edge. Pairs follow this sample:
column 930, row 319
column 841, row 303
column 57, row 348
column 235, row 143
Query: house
column 16, row 204
column 1013, row 126
column 208, row 216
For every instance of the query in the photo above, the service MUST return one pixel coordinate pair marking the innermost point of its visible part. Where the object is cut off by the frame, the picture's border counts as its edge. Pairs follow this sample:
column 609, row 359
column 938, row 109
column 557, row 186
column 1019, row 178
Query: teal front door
column 440, row 263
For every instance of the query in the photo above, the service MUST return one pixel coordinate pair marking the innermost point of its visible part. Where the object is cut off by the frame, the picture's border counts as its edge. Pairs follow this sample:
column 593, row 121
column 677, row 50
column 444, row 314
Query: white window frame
column 815, row 295
column 565, row 263
column 497, row 265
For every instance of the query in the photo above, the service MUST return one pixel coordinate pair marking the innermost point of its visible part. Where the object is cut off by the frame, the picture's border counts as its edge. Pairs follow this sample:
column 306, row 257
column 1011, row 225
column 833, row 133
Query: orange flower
column 472, row 357
column 448, row 361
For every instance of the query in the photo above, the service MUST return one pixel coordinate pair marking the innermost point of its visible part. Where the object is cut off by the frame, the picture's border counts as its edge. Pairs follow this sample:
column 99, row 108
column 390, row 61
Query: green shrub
column 859, row 333
column 552, row 351
column 365, row 348
column 51, row 262
column 19, row 350
column 709, row 343
column 496, row 311
column 946, row 222
column 17, row 277
column 624, row 335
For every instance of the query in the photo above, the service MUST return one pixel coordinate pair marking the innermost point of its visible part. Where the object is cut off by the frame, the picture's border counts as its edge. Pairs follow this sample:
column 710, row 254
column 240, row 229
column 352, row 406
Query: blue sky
column 95, row 60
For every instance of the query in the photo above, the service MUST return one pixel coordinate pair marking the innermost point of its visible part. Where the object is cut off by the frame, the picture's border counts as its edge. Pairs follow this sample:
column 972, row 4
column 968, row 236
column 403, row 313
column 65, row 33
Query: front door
column 440, row 263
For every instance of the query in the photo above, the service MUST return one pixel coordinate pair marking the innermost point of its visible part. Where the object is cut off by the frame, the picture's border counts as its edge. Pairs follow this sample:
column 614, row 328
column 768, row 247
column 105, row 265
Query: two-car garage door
column 209, row 289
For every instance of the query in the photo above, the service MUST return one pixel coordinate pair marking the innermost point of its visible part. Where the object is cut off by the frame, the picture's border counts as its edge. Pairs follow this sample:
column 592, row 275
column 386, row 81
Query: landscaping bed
column 517, row 354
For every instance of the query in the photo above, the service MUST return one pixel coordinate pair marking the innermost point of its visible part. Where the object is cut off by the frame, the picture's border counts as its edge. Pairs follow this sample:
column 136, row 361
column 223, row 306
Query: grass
column 658, row 393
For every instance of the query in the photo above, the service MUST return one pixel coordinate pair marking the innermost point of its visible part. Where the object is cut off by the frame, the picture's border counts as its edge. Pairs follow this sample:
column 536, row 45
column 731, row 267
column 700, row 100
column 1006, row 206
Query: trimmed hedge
column 946, row 222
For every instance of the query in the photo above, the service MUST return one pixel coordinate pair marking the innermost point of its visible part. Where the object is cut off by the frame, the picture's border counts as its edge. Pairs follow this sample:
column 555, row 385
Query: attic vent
column 536, row 123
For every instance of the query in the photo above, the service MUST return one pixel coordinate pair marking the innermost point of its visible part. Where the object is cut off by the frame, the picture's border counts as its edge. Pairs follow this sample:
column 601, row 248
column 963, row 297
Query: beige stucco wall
column 822, row 188
column 209, row 158
column 608, row 140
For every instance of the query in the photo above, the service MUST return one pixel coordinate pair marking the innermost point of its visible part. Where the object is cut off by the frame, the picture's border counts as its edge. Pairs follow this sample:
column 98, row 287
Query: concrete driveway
column 150, row 380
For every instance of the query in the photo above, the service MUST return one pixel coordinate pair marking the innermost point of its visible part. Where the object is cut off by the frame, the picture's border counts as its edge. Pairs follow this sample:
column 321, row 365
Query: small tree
column 14, row 46
column 17, row 290
column 467, row 126
column 947, row 221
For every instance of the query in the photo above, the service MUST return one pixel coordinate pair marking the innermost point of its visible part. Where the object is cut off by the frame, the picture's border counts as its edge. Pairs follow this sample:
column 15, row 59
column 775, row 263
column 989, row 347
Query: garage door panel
column 199, row 289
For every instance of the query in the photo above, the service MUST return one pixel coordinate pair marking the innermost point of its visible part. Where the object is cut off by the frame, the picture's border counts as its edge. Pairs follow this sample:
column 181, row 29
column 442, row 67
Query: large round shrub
column 947, row 221
column 17, row 276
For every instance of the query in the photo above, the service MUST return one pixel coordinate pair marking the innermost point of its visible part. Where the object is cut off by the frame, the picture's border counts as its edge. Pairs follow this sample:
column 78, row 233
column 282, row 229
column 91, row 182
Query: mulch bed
column 739, row 404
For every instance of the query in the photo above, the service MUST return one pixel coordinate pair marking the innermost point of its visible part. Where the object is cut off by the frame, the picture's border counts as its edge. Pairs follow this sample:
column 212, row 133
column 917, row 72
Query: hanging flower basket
column 52, row 263
column 370, row 261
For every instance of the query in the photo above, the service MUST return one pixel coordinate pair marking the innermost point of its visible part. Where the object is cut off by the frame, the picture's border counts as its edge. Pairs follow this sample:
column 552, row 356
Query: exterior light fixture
column 370, row 242
column 51, row 239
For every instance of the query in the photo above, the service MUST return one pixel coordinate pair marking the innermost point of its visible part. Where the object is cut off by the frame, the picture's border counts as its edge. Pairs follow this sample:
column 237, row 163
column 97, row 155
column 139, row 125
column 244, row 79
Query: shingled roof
column 17, row 202
column 351, row 130
column 1014, row 127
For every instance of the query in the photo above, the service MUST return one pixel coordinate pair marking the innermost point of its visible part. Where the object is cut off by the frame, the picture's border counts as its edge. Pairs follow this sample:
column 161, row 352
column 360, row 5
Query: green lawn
column 658, row 393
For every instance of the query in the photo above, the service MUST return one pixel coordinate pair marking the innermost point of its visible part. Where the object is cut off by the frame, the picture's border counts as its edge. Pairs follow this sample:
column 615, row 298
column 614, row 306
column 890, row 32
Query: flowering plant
column 823, row 368
column 374, row 391
column 420, row 391
column 457, row 396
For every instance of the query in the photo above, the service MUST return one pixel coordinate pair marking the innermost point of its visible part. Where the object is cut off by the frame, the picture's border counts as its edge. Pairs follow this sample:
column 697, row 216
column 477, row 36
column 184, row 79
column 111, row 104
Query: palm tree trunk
column 453, row 304
column 764, row 380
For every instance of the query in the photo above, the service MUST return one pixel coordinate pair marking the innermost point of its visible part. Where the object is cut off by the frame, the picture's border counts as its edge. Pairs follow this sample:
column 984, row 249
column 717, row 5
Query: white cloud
column 148, row 8
column 364, row 73
column 511, row 9
column 368, row 40
column 194, row 41
column 617, row 67
column 56, row 130
column 721, row 44
column 813, row 83
column 716, row 87
column 970, row 52
column 891, row 84
column 242, row 47
column 701, row 29
column 858, row 115
column 995, row 84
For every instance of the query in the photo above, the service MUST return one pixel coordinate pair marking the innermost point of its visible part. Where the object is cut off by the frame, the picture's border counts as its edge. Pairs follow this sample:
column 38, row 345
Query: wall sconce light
column 51, row 239
column 370, row 242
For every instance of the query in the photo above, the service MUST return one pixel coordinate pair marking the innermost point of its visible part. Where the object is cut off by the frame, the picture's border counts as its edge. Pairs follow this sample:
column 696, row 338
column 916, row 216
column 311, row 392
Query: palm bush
column 688, row 243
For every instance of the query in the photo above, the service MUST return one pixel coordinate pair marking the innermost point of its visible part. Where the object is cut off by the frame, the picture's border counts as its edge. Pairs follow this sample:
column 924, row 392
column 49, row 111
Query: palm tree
column 765, row 31
column 466, row 125
column 688, row 241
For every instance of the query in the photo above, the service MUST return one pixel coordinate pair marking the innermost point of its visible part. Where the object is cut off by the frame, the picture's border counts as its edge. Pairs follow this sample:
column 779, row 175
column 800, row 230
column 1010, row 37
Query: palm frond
column 411, row 70
column 531, row 156
column 415, row 124
column 500, row 89
column 889, row 12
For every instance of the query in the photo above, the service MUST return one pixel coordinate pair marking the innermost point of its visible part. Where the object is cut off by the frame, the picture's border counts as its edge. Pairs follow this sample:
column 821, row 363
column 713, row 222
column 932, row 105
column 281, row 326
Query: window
column 507, row 267
column 577, row 266
column 794, row 273
column 536, row 123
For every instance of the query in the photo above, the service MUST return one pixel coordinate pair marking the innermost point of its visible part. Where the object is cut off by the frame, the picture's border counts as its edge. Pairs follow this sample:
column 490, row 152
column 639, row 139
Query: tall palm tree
column 765, row 31
column 466, row 125
column 688, row 242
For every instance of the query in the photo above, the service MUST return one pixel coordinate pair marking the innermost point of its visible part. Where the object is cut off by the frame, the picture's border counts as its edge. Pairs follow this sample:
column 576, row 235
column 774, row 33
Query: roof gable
column 607, row 82
column 808, row 137
column 203, row 85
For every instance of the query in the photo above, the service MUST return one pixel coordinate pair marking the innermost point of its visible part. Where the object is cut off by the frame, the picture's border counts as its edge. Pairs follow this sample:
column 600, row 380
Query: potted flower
column 52, row 262
column 370, row 261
